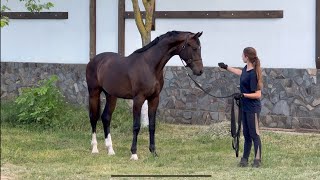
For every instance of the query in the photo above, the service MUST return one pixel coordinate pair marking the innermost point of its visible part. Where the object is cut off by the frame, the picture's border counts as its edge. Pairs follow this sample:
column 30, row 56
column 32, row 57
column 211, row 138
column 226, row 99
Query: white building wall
column 288, row 42
column 107, row 26
column 281, row 43
column 53, row 41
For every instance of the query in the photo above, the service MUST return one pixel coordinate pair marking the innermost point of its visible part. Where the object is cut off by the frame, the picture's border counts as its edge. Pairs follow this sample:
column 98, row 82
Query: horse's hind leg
column 106, row 120
column 94, row 113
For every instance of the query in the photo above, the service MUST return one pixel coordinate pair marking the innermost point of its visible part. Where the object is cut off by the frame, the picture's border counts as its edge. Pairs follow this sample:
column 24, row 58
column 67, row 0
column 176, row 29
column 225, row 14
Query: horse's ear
column 197, row 35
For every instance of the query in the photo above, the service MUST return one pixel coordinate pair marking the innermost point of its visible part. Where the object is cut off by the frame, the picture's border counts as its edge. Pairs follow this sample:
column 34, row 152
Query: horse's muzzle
column 199, row 73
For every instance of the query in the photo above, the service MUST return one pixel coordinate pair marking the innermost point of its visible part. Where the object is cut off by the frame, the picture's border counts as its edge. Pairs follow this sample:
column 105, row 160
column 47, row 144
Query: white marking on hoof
column 108, row 142
column 134, row 157
column 111, row 152
column 94, row 144
column 95, row 149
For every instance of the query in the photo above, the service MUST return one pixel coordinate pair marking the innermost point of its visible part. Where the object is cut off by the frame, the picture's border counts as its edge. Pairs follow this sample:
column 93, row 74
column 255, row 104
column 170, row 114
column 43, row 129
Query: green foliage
column 44, row 108
column 8, row 112
column 71, row 117
column 36, row 6
column 4, row 21
column 31, row 5
column 4, row 8
column 40, row 105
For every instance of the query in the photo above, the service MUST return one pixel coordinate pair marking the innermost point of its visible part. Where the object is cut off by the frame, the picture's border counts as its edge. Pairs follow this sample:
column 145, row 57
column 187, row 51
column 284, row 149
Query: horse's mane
column 155, row 41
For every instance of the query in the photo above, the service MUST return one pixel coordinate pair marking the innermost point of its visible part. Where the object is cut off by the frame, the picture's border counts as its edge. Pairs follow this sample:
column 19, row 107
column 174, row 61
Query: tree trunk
column 145, row 32
column 146, row 39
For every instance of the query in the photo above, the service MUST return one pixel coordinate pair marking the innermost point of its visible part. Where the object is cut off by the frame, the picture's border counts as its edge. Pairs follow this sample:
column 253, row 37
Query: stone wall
column 291, row 97
column 72, row 80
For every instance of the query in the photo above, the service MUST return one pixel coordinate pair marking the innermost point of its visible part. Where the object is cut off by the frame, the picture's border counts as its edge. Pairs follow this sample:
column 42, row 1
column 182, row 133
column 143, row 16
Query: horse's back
column 93, row 65
column 109, row 71
column 102, row 57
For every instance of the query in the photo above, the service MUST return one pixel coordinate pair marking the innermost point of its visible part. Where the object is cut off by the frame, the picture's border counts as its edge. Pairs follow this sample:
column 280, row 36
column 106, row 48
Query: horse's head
column 190, row 52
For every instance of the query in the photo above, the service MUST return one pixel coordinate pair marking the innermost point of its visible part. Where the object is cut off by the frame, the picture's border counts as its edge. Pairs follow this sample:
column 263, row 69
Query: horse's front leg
column 137, row 104
column 152, row 109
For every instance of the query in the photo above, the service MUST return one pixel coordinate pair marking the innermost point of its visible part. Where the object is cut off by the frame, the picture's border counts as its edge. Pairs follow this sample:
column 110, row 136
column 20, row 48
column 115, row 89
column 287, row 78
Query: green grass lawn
column 64, row 151
column 192, row 150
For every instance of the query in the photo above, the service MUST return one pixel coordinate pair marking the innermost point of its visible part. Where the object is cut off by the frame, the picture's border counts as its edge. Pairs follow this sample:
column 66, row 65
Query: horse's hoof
column 111, row 152
column 95, row 151
column 155, row 154
column 134, row 157
column 94, row 147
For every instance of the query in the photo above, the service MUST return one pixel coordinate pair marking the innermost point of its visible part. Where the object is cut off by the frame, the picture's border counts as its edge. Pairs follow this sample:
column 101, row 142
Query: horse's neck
column 167, row 51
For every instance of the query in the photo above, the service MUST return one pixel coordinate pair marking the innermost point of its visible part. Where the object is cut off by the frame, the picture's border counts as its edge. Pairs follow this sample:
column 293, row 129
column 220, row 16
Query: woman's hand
column 255, row 95
column 238, row 96
column 223, row 65
column 231, row 69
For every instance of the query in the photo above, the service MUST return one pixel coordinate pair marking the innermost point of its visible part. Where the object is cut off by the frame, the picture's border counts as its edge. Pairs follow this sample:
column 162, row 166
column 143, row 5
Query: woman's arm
column 255, row 95
column 230, row 69
column 235, row 70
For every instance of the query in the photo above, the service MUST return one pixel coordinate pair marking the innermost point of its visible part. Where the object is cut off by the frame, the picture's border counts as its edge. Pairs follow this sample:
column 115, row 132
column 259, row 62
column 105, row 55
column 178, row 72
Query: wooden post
column 93, row 34
column 153, row 27
column 318, row 34
column 121, row 27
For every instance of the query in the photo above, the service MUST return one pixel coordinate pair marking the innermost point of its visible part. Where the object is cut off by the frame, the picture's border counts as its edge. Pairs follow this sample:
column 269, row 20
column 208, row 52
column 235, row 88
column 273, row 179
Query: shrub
column 43, row 107
column 40, row 105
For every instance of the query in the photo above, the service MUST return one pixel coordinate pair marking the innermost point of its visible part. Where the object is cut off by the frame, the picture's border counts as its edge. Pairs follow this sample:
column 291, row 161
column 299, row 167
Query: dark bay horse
column 139, row 77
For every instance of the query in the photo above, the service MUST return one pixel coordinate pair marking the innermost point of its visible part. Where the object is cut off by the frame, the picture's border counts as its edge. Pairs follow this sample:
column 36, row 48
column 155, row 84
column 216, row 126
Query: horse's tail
column 94, row 63
column 94, row 89
column 91, row 69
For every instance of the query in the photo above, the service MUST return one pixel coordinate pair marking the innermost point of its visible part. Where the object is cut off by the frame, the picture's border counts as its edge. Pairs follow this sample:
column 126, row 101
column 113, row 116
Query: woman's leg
column 253, row 124
column 247, row 137
column 247, row 141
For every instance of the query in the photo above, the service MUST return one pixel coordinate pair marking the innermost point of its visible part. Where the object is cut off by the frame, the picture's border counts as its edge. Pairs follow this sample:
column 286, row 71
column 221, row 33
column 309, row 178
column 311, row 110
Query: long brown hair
column 251, row 53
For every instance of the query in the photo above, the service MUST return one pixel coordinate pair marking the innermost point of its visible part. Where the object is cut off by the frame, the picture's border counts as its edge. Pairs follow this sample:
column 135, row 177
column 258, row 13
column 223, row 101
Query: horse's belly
column 118, row 88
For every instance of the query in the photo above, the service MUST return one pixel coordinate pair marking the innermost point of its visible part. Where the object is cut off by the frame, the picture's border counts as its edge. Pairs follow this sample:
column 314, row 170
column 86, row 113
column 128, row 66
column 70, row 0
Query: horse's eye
column 196, row 48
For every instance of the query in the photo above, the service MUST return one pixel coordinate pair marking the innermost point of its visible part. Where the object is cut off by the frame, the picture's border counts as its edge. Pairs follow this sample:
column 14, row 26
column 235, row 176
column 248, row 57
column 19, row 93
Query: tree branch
column 149, row 6
column 145, row 3
column 138, row 18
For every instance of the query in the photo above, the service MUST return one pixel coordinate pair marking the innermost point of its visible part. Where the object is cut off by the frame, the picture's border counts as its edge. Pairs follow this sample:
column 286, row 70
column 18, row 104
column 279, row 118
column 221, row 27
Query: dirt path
column 3, row 177
column 293, row 131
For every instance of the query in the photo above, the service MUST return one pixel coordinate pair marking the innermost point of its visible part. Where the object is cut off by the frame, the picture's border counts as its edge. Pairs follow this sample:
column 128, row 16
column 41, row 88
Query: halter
column 187, row 62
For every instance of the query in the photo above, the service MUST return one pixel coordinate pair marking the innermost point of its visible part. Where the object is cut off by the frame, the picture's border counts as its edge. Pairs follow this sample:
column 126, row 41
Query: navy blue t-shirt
column 249, row 84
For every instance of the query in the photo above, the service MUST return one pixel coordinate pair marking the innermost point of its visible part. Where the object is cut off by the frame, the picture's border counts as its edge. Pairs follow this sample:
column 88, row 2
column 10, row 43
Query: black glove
column 238, row 96
column 222, row 65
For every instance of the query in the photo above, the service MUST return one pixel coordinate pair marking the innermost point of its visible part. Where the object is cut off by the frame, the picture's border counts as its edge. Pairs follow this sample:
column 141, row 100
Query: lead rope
column 234, row 133
column 198, row 85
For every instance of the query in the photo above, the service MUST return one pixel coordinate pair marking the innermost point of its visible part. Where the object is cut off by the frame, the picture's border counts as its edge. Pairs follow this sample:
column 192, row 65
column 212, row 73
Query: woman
column 250, row 87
